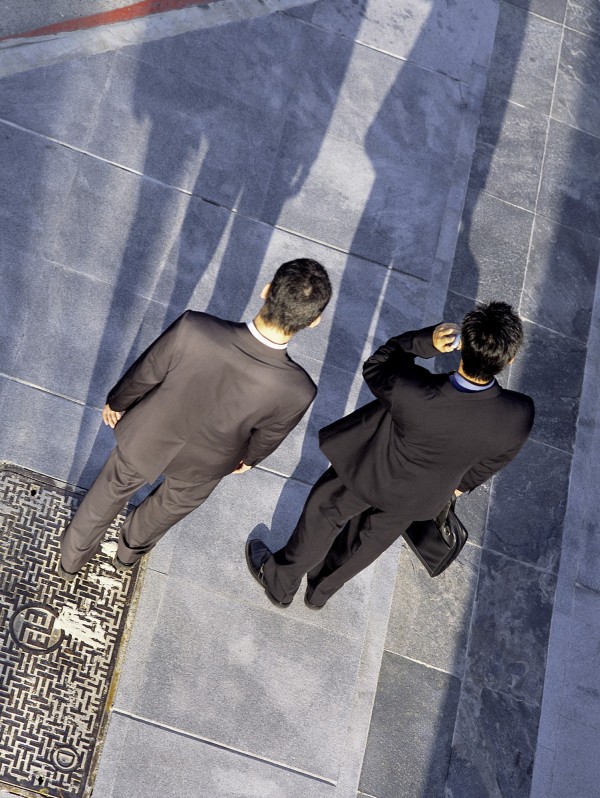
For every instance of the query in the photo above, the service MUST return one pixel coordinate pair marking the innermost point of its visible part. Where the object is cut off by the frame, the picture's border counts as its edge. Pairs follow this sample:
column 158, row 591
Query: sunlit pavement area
column 430, row 154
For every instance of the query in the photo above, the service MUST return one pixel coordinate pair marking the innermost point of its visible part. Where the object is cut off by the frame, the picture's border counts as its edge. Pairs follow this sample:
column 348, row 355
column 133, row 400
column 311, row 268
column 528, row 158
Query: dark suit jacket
column 205, row 396
column 407, row 451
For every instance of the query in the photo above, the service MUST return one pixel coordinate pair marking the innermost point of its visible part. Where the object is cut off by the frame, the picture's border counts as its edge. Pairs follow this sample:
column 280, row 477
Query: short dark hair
column 299, row 293
column 491, row 336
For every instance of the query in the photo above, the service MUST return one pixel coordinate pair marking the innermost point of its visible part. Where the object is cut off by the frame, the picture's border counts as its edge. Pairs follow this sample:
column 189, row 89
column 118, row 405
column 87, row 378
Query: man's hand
column 242, row 468
column 445, row 335
column 458, row 493
column 111, row 417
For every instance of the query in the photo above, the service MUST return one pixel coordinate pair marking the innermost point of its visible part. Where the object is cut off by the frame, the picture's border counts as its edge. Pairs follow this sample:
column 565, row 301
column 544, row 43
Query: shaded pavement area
column 430, row 154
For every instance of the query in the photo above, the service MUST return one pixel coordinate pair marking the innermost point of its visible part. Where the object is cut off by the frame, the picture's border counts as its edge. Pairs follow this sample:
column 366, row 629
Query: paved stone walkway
column 178, row 172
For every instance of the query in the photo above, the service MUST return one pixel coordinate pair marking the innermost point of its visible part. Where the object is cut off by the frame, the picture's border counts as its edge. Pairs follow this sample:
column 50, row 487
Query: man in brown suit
column 208, row 398
column 399, row 458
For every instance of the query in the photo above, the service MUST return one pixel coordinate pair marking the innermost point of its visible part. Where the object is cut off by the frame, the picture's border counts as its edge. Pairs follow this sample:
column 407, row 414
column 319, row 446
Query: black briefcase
column 438, row 542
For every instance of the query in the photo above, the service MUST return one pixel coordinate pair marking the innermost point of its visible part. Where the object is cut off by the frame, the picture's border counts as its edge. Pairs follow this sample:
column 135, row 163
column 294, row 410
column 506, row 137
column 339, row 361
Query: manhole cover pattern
column 59, row 642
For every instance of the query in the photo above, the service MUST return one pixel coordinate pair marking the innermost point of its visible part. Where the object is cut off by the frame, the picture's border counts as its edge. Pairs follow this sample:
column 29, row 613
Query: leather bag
column 438, row 542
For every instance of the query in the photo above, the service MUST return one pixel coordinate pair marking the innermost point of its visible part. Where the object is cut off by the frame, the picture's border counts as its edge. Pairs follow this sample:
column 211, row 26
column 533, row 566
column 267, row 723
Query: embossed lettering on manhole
column 60, row 642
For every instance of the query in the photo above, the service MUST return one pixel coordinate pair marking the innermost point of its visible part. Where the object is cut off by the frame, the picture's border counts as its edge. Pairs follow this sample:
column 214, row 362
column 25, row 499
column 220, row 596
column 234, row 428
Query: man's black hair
column 491, row 336
column 299, row 293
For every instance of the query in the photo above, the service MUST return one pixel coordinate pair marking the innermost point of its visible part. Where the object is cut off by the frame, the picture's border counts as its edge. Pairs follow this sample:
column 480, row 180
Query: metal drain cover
column 60, row 642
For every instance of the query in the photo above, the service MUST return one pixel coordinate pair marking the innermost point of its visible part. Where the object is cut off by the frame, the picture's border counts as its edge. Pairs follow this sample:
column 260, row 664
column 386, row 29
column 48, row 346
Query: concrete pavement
column 179, row 172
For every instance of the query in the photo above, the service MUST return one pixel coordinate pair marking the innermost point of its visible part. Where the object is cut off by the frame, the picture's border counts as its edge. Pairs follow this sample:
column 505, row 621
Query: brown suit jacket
column 407, row 451
column 205, row 396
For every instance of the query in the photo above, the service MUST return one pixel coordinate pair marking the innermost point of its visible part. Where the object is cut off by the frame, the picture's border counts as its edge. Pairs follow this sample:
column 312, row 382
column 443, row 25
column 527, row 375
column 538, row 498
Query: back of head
column 491, row 336
column 299, row 293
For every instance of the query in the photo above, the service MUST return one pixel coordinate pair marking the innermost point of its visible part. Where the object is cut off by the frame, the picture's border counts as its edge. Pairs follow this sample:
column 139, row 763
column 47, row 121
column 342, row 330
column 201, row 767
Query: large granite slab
column 410, row 738
column 494, row 745
column 577, row 97
column 438, row 36
column 491, row 253
column 510, row 627
column 558, row 291
column 525, row 55
column 180, row 765
column 431, row 618
column 247, row 678
column 540, row 479
column 61, row 99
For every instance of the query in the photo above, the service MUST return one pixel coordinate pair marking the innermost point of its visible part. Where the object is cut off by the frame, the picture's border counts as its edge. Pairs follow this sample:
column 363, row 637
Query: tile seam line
column 420, row 662
column 223, row 746
column 373, row 48
column 527, row 319
column 542, row 167
column 188, row 193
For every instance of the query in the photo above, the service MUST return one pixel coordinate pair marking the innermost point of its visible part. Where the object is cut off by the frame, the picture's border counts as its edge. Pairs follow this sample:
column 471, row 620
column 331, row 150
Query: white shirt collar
column 260, row 337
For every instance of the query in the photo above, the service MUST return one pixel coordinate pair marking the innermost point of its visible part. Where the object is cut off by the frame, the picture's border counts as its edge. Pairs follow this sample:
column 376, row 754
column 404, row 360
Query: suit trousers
column 337, row 536
column 171, row 501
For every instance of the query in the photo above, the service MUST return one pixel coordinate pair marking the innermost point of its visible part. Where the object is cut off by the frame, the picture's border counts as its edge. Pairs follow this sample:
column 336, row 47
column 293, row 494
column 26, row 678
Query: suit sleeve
column 394, row 358
column 149, row 370
column 486, row 469
column 265, row 440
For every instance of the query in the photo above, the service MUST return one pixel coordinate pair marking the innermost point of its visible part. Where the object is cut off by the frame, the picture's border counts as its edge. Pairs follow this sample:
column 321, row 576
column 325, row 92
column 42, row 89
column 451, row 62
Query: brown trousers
column 171, row 501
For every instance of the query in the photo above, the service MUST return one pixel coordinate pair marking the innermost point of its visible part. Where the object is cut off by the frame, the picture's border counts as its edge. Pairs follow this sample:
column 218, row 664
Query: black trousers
column 336, row 537
column 171, row 501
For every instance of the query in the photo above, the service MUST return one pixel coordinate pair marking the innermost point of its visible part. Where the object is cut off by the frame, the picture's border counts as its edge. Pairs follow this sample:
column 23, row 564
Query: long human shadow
column 231, row 135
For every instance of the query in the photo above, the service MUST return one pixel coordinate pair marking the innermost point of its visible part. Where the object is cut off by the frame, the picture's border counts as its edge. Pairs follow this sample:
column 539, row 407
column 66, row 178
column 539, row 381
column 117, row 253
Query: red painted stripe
column 134, row 11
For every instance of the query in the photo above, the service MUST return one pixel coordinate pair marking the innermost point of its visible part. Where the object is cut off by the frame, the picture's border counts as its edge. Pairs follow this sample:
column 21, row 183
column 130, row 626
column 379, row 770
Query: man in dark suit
column 399, row 458
column 208, row 398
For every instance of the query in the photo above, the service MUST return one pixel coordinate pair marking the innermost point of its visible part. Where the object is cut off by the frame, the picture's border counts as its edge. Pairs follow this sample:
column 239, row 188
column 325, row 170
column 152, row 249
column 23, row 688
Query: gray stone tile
column 36, row 177
column 561, row 276
column 509, row 153
column 539, row 478
column 140, row 638
column 368, row 97
column 541, row 781
column 258, row 504
column 256, row 61
column 525, row 55
column 577, row 96
column 491, row 253
column 494, row 745
column 410, row 738
column 511, row 624
column 58, row 100
column 550, row 369
column 569, row 191
column 576, row 765
column 584, row 16
column 52, row 435
column 581, row 699
column 550, row 9
column 443, row 37
column 303, row 12
column 430, row 618
column 95, row 329
column 143, row 759
column 249, row 679
column 168, row 128
column 386, row 208
column 123, row 229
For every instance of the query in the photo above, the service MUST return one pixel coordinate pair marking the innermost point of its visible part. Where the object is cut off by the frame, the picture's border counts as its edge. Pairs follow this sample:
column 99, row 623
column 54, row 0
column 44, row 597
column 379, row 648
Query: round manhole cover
column 33, row 628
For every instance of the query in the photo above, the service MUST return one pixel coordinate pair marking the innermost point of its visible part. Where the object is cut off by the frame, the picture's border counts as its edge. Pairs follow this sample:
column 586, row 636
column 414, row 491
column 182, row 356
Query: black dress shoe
column 310, row 605
column 122, row 567
column 67, row 576
column 257, row 553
